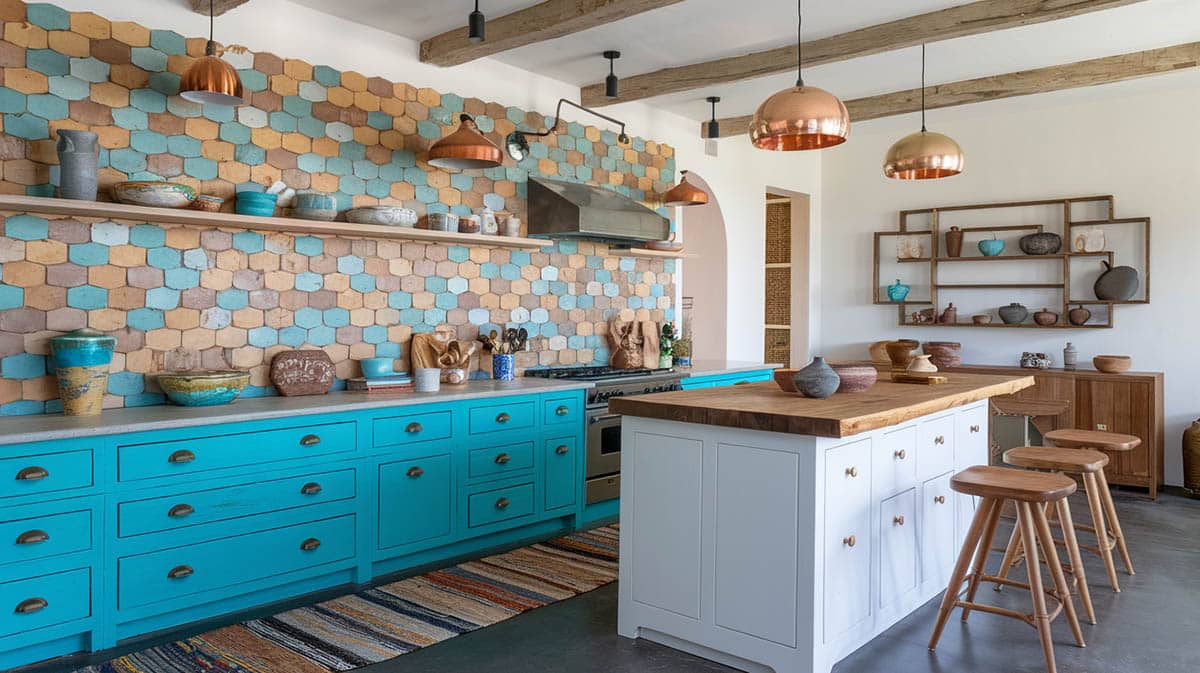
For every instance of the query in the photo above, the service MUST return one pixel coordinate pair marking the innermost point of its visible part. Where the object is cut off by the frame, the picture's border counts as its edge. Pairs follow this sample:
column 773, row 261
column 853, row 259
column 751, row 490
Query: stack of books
column 399, row 383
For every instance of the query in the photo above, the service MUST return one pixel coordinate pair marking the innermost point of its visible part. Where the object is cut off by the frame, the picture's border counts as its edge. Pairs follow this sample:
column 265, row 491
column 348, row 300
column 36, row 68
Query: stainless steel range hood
column 572, row 210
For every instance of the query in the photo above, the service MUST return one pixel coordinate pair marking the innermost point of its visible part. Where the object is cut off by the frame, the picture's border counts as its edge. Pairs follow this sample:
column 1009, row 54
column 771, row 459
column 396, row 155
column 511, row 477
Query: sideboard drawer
column 562, row 411
column 172, row 573
column 411, row 428
column 499, row 460
column 39, row 602
column 174, row 511
column 44, row 473
column 190, row 456
column 511, row 416
column 935, row 446
column 500, row 504
column 51, row 534
column 971, row 440
column 894, row 462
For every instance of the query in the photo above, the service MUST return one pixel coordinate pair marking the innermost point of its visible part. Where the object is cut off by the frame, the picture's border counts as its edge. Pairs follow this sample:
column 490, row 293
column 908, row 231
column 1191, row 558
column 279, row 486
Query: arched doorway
column 704, row 281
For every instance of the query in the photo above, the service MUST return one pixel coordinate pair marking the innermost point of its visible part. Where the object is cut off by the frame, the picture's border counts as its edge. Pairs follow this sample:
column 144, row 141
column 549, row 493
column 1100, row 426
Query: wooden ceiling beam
column 1026, row 82
column 544, row 21
column 219, row 7
column 972, row 18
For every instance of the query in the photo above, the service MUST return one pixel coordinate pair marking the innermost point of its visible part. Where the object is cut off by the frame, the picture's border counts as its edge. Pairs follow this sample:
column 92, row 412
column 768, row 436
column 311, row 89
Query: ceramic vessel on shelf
column 1117, row 283
column 1045, row 317
column 261, row 204
column 817, row 380
column 454, row 376
column 1070, row 356
column 511, row 227
column 990, row 247
column 78, row 159
column 302, row 372
column 944, row 353
column 1112, row 364
column 1091, row 240
column 443, row 222
column 909, row 247
column 203, row 388
column 374, row 368
column 207, row 203
column 954, row 241
column 786, row 380
column 669, row 245
column 897, row 291
column 949, row 316
column 854, row 378
column 1035, row 360
column 469, row 224
column 879, row 354
column 427, row 379
column 503, row 367
column 487, row 222
column 81, row 361
column 1041, row 243
column 153, row 193
column 388, row 216
column 900, row 353
column 314, row 205
column 1079, row 315
column 1013, row 314
column 981, row 319
column 921, row 364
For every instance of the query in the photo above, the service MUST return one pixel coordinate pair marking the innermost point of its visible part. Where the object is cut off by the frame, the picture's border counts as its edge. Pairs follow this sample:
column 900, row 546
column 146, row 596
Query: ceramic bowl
column 900, row 352
column 374, row 368
column 313, row 205
column 666, row 246
column 855, row 378
column 153, row 193
column 204, row 388
column 990, row 247
column 1112, row 364
column 255, row 203
column 785, row 379
column 207, row 203
column 391, row 216
column 981, row 319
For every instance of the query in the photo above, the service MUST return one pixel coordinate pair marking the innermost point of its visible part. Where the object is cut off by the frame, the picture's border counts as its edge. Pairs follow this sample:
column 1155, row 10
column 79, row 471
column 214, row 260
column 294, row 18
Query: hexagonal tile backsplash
column 178, row 296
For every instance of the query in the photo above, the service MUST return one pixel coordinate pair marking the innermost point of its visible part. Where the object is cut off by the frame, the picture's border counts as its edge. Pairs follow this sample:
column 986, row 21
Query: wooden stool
column 1084, row 462
column 1029, row 491
column 1104, row 513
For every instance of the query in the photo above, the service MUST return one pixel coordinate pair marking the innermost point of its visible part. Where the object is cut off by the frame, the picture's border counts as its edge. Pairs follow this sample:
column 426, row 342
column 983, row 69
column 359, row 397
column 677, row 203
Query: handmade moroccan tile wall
column 178, row 296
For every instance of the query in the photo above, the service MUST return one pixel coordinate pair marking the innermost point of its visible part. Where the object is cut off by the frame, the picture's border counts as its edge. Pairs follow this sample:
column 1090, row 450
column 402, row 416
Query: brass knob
column 503, row 418
column 179, row 572
column 31, row 605
column 34, row 536
column 413, row 428
column 414, row 472
column 901, row 454
column 561, row 449
column 562, row 410
column 33, row 473
column 974, row 428
column 852, row 471
column 502, row 458
column 898, row 520
column 940, row 439
column 310, row 440
column 849, row 541
column 181, row 510
column 310, row 544
column 181, row 456
column 939, row 499
column 502, row 503
column 311, row 488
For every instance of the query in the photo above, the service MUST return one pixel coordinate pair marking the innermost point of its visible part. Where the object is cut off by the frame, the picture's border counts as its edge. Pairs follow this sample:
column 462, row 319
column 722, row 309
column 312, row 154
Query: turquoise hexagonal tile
column 539, row 287
column 11, row 297
column 263, row 337
column 132, row 119
column 313, row 91
column 127, row 160
column 233, row 299
column 516, row 115
column 339, row 131
column 321, row 336
column 163, row 258
column 12, row 101
column 441, row 115
column 146, row 319
column 478, row 316
column 489, row 270
column 376, row 120
column 634, row 302
column 309, row 246
column 148, row 59
column 311, row 163
column 307, row 317
column 251, row 155
column 299, row 107
column 362, row 282
column 47, row 61
column 126, row 383
column 235, row 132
column 110, row 233
column 567, row 302
column 350, row 264
column 162, row 298
column 26, row 227
column 428, row 129
column 168, row 42
column 200, row 168
column 248, row 242
column 375, row 334
column 88, row 254
column 366, row 169
column 282, row 122
column 435, row 284
column 147, row 236
column 412, row 316
column 399, row 299
column 309, row 281
column 335, row 317
column 427, row 194
column 457, row 285
column 251, row 117
column 292, row 336
column 327, row 76
column 452, row 102
column 311, row 127
column 458, row 253
column 404, row 159
column 379, row 188
column 446, row 301
column 23, row 366
column 87, row 297
column 71, row 88
column 183, row 146
column 461, row 182
column 150, row 142
column 219, row 113
column 431, row 318
column 353, row 151
column 148, row 100
column 339, row 166
column 181, row 278
column 253, row 80
column 27, row 126
column 510, row 272
column 90, row 69
column 353, row 185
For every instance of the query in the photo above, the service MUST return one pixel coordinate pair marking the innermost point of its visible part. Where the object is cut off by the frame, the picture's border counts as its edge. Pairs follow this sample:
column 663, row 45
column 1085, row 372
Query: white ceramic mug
column 427, row 379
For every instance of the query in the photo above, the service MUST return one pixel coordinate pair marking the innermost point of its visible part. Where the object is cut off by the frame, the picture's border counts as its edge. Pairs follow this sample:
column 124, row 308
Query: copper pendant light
column 685, row 193
column 465, row 149
column 210, row 80
column 923, row 155
column 800, row 117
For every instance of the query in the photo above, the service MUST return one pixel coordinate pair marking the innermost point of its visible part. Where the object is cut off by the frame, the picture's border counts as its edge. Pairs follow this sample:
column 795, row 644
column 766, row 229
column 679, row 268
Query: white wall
column 1137, row 141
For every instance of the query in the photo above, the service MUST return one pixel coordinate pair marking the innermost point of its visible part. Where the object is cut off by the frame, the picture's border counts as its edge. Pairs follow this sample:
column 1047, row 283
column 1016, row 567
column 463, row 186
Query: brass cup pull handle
column 502, row 503
column 503, row 418
column 852, row 471
column 31, row 605
column 181, row 456
column 414, row 472
column 33, row 473
column 561, row 449
column 939, row 499
column 940, row 439
column 974, row 428
column 311, row 488
column 413, row 428
column 310, row 544
column 898, row 520
column 901, row 454
column 849, row 541
column 310, row 440
column 181, row 510
column 179, row 572
column 503, row 458
column 35, row 536
column 562, row 410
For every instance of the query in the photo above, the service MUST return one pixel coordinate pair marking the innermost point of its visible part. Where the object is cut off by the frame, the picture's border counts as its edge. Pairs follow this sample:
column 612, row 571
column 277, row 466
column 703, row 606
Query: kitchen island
column 772, row 532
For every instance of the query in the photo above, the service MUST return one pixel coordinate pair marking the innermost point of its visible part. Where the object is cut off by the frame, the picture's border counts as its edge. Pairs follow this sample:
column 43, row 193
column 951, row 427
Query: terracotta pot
column 922, row 365
column 1079, row 315
column 954, row 241
column 855, row 378
column 944, row 354
column 1112, row 364
column 949, row 316
column 786, row 380
column 878, row 351
column 1045, row 317
column 900, row 352
column 817, row 380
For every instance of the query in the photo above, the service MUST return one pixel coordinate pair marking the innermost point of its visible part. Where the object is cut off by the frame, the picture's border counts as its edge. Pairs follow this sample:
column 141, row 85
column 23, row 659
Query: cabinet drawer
column 938, row 533
column 44, row 536
column 847, row 543
column 894, row 462
column 500, row 504
column 935, row 446
column 38, row 602
column 174, row 511
column 190, row 456
column 562, row 475
column 399, row 430
column 897, row 547
column 497, row 460
column 415, row 500
column 511, row 416
column 971, row 437
column 44, row 473
column 172, row 573
column 561, row 411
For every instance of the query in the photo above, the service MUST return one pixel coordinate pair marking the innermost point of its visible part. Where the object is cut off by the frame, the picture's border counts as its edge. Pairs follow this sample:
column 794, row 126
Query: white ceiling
column 695, row 31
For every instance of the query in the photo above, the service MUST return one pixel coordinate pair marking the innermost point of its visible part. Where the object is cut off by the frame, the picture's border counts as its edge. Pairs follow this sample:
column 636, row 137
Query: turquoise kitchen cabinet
column 561, row 470
column 416, row 499
column 718, row 380
column 45, row 473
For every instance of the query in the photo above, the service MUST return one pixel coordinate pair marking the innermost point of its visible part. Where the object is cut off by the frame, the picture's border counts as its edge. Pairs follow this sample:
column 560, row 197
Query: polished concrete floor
column 1150, row 627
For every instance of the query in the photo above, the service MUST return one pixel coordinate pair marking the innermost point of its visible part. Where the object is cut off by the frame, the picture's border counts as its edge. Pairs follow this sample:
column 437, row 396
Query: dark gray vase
column 817, row 380
column 1045, row 243
column 1013, row 314
column 78, row 154
column 1117, row 283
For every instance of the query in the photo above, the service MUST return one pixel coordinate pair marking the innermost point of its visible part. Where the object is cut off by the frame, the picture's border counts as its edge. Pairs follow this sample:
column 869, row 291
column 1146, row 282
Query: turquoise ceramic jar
column 313, row 205
column 81, row 361
column 990, row 247
column 256, row 203
column 897, row 291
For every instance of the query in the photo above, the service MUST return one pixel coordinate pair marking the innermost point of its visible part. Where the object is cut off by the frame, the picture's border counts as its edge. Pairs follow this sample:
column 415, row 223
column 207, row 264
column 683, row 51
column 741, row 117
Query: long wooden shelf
column 1002, row 324
column 651, row 254
column 186, row 216
column 1000, row 286
column 1007, row 258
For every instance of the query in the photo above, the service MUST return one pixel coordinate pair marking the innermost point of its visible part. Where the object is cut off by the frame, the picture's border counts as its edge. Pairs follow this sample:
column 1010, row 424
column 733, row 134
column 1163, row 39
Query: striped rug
column 392, row 619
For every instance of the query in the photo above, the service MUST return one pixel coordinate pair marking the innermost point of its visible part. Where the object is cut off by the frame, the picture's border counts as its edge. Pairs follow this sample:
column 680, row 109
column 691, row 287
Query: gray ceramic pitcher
column 78, row 154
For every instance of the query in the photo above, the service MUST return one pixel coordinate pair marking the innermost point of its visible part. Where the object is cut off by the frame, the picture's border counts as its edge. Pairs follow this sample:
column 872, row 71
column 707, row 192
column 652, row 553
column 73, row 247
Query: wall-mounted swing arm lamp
column 517, row 142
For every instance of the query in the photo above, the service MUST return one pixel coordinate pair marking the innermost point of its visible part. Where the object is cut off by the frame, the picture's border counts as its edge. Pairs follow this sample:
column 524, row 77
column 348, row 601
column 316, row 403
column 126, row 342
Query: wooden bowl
column 786, row 380
column 1112, row 364
column 855, row 378
column 900, row 352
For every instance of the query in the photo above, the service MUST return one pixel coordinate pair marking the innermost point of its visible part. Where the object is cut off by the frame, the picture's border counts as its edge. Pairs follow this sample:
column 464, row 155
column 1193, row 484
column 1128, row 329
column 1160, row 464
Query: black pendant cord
column 799, row 43
column 922, row 87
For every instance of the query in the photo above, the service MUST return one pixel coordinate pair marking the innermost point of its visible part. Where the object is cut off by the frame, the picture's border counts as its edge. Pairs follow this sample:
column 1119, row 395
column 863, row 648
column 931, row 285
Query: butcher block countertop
column 763, row 406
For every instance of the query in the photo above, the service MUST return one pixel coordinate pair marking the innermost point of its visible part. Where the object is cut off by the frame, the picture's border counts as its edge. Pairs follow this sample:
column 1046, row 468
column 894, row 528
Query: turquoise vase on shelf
column 81, row 361
column 897, row 291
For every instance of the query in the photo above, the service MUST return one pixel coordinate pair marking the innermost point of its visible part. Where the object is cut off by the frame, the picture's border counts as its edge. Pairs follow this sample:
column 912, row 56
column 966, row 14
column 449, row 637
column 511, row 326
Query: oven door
column 603, row 444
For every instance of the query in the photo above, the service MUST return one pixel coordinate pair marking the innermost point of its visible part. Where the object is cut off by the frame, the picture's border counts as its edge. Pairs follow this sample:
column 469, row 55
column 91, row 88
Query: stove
column 603, row 453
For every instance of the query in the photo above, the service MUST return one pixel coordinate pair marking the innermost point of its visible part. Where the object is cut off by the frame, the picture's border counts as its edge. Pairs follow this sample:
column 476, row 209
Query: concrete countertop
column 706, row 367
column 23, row 429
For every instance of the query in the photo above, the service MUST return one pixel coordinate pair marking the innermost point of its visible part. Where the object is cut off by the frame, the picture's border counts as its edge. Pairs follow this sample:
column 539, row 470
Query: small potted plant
column 666, row 346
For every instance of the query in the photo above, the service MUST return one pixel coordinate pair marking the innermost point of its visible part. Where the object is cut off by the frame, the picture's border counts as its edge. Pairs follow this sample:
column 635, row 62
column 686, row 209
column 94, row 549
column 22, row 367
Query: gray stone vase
column 78, row 154
column 817, row 379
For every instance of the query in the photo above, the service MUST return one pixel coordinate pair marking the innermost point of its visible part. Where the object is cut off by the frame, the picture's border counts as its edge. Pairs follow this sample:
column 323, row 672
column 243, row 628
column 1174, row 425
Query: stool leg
column 960, row 568
column 1113, row 521
column 985, row 547
column 1068, row 527
column 1041, row 618
column 1046, row 539
column 1093, row 495
column 1010, row 553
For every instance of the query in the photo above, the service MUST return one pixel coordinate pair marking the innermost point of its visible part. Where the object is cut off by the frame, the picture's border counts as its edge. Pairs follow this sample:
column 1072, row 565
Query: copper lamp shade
column 923, row 155
column 465, row 149
column 209, row 80
column 685, row 194
column 800, row 118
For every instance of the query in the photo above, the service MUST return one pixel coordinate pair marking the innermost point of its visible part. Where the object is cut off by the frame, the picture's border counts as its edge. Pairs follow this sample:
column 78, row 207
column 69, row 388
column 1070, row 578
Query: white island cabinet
column 781, row 551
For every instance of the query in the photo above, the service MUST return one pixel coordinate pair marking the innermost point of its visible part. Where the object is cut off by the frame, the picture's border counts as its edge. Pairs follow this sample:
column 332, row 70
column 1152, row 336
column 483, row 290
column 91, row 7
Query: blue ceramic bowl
column 375, row 368
column 990, row 247
column 203, row 388
column 255, row 203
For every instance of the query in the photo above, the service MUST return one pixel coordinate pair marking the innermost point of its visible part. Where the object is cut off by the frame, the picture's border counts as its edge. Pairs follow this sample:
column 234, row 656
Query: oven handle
column 603, row 418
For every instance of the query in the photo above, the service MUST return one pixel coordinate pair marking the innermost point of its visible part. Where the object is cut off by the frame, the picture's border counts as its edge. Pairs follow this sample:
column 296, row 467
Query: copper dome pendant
column 210, row 80
column 685, row 194
column 465, row 149
column 923, row 155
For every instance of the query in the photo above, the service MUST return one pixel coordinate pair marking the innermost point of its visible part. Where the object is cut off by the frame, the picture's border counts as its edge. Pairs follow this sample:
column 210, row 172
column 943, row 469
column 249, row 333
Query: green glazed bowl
column 203, row 388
